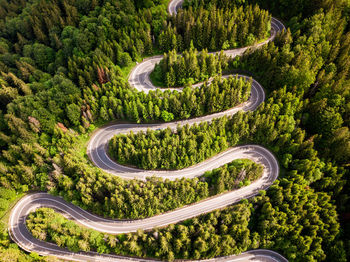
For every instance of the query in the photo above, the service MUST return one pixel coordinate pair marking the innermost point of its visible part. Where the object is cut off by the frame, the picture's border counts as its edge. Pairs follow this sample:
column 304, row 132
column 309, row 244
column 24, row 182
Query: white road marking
column 19, row 233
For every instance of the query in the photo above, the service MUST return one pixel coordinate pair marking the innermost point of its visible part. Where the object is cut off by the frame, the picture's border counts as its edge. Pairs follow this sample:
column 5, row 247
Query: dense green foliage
column 215, row 29
column 9, row 251
column 116, row 102
column 273, row 125
column 189, row 67
column 75, row 40
column 233, row 175
column 216, row 96
column 63, row 64
column 111, row 196
column 243, row 226
column 6, row 197
column 167, row 150
column 155, row 150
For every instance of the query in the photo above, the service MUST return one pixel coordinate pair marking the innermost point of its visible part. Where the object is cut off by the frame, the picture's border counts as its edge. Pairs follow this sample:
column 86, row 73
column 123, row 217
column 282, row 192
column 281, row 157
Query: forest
column 63, row 72
column 111, row 196
column 231, row 231
column 189, row 68
column 215, row 28
column 165, row 149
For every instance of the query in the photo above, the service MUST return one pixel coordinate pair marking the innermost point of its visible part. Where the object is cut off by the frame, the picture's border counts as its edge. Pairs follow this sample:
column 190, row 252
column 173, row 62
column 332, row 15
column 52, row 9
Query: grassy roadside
column 5, row 213
column 155, row 77
column 8, row 250
column 81, row 140
column 127, row 70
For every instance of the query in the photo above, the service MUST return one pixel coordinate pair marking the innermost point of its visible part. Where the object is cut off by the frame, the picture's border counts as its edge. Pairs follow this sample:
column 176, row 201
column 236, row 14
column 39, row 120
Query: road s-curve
column 98, row 144
column 20, row 234
column 254, row 152
column 139, row 78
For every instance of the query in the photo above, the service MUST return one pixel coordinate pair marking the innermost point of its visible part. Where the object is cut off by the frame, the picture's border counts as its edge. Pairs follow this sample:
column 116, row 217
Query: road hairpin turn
column 97, row 152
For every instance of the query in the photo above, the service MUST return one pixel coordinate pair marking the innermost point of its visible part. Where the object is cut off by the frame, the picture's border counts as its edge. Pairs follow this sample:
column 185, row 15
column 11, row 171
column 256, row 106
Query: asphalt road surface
column 98, row 144
column 174, row 6
column 139, row 78
column 256, row 153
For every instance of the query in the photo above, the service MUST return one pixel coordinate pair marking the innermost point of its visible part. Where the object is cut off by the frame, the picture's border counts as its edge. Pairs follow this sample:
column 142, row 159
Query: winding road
column 97, row 151
column 139, row 77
